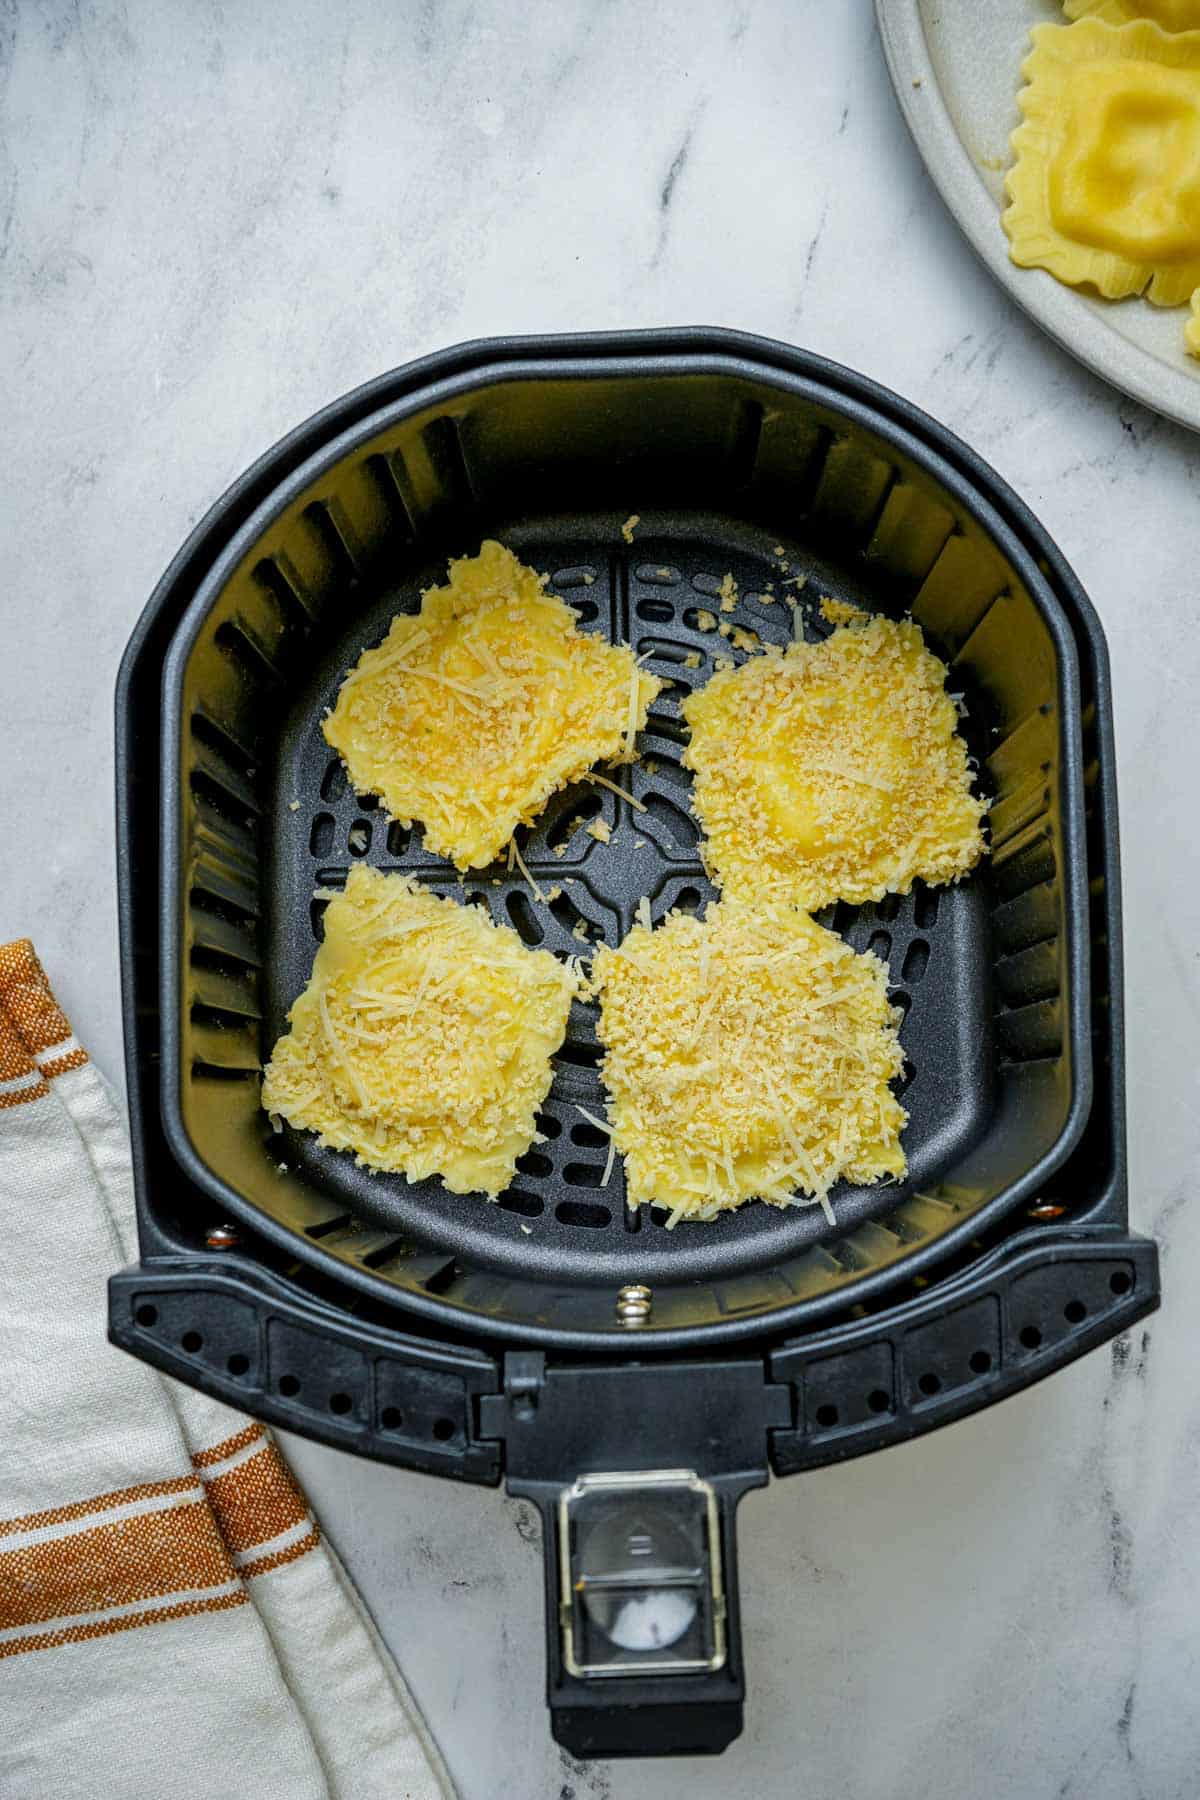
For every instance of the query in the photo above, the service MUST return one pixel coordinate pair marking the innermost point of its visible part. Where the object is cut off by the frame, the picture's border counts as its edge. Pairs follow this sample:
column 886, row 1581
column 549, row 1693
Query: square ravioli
column 1105, row 190
column 1172, row 15
column 472, row 712
column 748, row 1055
column 423, row 1039
column 834, row 771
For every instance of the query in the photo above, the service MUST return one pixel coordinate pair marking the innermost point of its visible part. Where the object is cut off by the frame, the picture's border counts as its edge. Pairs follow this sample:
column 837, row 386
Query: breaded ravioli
column 834, row 771
column 423, row 1039
column 748, row 1055
column 472, row 712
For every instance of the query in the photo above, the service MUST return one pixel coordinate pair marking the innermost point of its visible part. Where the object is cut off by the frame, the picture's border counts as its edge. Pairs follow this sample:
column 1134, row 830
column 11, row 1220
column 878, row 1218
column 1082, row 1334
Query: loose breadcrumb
column 834, row 771
column 748, row 1055
column 600, row 829
column 630, row 526
column 692, row 660
column 705, row 620
column 293, row 806
column 471, row 713
column 553, row 893
column 728, row 593
column 422, row 1042
column 746, row 640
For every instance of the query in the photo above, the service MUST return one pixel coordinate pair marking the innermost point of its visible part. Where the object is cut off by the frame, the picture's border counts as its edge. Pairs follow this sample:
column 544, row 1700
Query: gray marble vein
column 213, row 219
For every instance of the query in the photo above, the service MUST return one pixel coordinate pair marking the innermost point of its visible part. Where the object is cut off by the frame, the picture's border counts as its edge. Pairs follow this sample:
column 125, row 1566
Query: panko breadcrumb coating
column 748, row 1055
column 472, row 712
column 423, row 1039
column 833, row 771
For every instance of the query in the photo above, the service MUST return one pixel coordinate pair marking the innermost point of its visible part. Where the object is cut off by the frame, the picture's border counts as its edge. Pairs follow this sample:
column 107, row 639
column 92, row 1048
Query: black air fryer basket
column 632, row 1381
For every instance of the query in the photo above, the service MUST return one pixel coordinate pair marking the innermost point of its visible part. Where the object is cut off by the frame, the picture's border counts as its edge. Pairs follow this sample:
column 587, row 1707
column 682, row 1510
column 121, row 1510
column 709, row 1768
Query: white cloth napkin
column 172, row 1623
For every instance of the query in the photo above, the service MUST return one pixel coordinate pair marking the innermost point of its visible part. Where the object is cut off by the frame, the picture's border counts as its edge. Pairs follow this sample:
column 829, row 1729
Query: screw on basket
column 1043, row 1210
column 633, row 1305
column 221, row 1237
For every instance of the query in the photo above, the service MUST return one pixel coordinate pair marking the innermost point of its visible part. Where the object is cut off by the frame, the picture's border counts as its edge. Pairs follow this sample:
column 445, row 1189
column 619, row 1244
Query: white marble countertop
column 214, row 219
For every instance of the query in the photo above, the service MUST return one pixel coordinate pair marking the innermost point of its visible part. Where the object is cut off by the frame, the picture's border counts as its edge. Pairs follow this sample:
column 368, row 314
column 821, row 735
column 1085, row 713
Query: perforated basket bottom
column 561, row 1220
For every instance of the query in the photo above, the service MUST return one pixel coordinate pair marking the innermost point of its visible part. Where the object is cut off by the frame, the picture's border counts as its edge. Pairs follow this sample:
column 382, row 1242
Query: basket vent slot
column 583, row 1212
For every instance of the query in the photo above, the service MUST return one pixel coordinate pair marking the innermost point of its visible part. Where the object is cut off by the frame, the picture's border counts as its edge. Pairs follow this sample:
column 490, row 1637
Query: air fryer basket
column 416, row 1328
column 729, row 469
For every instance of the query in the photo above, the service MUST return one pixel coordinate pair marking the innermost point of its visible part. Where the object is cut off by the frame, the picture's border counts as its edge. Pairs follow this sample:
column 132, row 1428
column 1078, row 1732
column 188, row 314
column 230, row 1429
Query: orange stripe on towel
column 275, row 1559
column 257, row 1501
column 26, row 997
column 203, row 1459
column 20, row 1078
column 79, row 1509
column 94, row 1628
column 147, row 1557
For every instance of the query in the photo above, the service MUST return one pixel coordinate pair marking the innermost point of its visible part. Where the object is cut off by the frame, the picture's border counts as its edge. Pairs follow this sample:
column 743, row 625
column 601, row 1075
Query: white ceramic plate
column 956, row 69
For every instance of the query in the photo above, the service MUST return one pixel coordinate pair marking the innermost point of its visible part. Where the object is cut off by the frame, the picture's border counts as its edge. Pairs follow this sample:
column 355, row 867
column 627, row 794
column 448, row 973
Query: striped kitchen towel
column 172, row 1623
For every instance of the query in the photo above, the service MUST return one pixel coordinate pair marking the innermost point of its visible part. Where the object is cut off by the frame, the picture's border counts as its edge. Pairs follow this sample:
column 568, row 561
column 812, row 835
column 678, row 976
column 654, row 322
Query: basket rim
column 328, row 438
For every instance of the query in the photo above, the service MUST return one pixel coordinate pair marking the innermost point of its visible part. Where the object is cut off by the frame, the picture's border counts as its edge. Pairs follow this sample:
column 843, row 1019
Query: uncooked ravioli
column 833, row 771
column 748, row 1055
column 423, row 1039
column 1105, row 191
column 1172, row 15
column 472, row 712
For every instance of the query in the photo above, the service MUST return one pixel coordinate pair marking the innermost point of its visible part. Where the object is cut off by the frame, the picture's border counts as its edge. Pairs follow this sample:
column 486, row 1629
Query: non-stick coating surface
column 560, row 1219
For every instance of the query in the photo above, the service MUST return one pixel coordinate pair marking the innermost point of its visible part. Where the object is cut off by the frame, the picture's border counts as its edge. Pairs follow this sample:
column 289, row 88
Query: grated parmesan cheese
column 472, row 713
column 614, row 787
column 748, row 1054
column 833, row 771
column 841, row 612
column 422, row 1042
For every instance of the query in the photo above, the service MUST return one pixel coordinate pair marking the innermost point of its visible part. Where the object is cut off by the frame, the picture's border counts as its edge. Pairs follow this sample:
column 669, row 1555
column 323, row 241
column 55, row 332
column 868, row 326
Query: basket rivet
column 1046, row 1209
column 221, row 1237
column 633, row 1304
